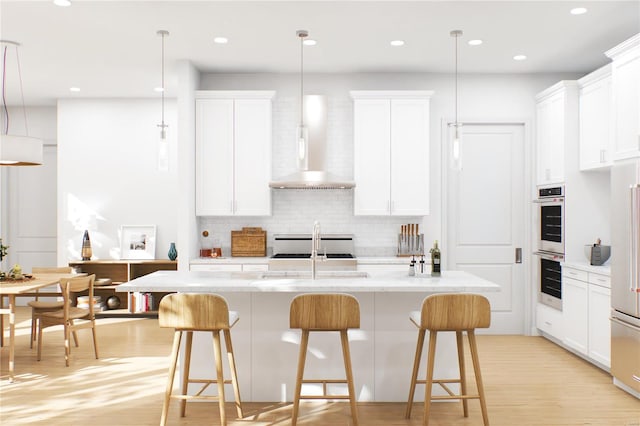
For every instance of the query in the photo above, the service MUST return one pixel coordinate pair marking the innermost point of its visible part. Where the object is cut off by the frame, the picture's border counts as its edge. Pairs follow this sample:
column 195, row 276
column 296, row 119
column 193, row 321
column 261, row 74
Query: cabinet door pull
column 518, row 255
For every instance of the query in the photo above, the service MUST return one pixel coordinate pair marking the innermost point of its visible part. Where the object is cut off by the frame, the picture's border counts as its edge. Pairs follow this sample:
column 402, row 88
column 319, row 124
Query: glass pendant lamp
column 302, row 133
column 455, row 146
column 163, row 144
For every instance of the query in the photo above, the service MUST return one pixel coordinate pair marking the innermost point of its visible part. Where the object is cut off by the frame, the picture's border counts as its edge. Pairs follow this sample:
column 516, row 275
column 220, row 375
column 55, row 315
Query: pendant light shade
column 302, row 133
column 455, row 156
column 16, row 150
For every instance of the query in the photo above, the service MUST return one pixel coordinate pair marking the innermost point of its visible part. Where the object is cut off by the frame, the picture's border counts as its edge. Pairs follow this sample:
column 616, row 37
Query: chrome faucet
column 315, row 246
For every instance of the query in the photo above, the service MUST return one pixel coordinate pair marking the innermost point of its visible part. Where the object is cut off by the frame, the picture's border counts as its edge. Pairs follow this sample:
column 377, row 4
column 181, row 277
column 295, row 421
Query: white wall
column 108, row 176
column 481, row 97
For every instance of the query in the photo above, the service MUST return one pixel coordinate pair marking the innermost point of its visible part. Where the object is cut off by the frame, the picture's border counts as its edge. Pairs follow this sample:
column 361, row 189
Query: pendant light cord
column 4, row 98
column 163, row 88
column 456, row 89
column 302, row 36
column 4, row 87
column 162, row 126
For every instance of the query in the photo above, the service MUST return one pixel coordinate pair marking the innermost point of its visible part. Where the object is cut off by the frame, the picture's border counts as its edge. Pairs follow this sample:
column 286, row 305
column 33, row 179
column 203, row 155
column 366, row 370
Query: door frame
column 530, row 291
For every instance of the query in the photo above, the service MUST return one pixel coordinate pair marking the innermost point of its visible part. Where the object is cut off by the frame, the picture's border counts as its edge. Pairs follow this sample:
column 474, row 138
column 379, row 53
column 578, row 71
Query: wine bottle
column 435, row 260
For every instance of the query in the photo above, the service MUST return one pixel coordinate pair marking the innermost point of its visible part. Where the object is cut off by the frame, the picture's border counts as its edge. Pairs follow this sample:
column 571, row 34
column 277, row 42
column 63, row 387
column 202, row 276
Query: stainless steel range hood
column 312, row 172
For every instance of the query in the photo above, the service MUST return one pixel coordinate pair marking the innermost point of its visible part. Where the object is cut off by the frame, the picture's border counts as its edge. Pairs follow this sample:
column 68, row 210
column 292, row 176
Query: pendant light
column 163, row 147
column 16, row 150
column 456, row 161
column 302, row 133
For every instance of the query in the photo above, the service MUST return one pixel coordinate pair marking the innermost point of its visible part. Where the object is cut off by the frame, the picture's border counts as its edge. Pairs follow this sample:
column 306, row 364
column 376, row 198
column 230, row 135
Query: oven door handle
column 549, row 256
column 548, row 200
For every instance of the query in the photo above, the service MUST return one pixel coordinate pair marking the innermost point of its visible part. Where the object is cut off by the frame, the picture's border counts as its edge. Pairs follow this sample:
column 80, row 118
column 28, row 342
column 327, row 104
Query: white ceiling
column 110, row 48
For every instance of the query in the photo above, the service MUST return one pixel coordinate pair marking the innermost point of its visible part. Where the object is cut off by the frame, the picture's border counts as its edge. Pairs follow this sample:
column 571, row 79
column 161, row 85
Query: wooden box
column 249, row 242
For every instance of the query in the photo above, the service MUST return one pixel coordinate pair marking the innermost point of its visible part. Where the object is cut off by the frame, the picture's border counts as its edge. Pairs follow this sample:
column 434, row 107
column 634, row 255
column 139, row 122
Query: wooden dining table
column 12, row 289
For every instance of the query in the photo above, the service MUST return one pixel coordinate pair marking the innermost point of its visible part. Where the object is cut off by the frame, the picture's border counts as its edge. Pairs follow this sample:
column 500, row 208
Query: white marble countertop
column 587, row 267
column 349, row 281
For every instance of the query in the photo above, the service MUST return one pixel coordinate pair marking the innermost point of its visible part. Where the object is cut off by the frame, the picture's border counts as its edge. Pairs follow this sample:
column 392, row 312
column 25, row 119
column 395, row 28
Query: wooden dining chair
column 70, row 316
column 324, row 312
column 39, row 306
column 458, row 312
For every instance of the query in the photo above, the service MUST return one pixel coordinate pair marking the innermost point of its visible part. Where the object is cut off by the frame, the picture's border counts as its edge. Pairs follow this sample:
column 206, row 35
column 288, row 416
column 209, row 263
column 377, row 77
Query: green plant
column 3, row 250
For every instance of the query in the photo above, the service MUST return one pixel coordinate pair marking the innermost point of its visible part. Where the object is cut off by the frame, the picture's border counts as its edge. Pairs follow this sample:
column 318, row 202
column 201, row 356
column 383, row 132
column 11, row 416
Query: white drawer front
column 255, row 267
column 221, row 267
column 550, row 321
column 601, row 280
column 576, row 274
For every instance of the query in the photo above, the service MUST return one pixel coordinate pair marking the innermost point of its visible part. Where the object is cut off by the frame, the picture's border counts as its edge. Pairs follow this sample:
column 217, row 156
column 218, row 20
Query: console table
column 122, row 271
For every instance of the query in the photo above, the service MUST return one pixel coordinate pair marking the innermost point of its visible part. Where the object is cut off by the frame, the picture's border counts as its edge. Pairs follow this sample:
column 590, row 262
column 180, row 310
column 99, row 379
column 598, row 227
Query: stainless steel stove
column 292, row 252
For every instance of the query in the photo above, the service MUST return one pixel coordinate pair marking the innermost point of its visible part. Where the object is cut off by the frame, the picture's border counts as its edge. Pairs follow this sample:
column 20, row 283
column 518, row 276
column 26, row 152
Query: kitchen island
column 266, row 348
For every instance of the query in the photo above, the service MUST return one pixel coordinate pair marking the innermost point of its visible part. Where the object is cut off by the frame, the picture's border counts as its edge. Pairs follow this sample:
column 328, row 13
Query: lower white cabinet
column 586, row 306
column 599, row 324
column 550, row 321
column 575, row 309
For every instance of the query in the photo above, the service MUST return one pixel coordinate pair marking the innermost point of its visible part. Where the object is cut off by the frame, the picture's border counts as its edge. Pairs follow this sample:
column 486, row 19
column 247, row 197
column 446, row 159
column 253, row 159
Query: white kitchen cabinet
column 235, row 265
column 575, row 299
column 233, row 153
column 391, row 153
column 550, row 321
column 599, row 325
column 556, row 123
column 595, row 119
column 625, row 74
column 586, row 304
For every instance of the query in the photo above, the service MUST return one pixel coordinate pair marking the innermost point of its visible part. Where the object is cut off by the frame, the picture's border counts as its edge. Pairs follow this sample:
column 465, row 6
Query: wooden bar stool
column 199, row 312
column 450, row 312
column 324, row 312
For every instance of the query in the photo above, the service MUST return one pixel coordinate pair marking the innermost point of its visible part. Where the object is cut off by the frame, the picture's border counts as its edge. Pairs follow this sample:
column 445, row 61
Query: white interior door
column 32, row 214
column 485, row 216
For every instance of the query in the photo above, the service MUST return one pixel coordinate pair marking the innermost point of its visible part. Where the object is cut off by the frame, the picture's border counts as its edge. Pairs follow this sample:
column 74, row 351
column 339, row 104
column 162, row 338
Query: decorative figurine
column 86, row 251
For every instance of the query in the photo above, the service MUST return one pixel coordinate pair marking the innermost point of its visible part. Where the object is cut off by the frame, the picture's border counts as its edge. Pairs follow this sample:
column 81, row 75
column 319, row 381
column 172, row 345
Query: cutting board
column 249, row 242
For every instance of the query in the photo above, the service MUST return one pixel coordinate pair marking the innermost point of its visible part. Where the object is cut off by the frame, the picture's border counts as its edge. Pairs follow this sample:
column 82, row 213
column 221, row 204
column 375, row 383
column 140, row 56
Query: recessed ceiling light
column 74, row 89
column 578, row 10
column 62, row 3
column 159, row 89
column 309, row 42
column 476, row 42
column 221, row 40
column 520, row 57
column 397, row 43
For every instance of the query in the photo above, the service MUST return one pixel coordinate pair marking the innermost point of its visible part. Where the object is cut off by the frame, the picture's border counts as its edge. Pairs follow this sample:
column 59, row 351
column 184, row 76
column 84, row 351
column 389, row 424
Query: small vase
column 173, row 253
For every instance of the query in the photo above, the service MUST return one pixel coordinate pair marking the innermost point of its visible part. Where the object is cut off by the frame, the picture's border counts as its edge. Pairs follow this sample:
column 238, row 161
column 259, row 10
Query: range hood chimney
column 312, row 172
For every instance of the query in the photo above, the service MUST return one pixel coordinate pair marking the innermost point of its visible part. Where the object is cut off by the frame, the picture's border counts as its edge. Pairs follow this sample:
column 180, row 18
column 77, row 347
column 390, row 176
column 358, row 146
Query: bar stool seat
column 324, row 312
column 199, row 312
column 449, row 312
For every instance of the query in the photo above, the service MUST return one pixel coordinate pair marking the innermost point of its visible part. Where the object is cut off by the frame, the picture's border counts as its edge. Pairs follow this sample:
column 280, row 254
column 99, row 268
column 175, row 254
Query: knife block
column 410, row 245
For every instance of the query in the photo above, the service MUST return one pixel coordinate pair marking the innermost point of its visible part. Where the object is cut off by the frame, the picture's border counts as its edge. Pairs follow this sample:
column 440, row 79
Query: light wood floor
column 528, row 381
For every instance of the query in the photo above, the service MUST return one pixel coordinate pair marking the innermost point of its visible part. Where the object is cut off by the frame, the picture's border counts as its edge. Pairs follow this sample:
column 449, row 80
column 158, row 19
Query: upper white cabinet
column 625, row 74
column 391, row 152
column 233, row 153
column 556, row 123
column 595, row 119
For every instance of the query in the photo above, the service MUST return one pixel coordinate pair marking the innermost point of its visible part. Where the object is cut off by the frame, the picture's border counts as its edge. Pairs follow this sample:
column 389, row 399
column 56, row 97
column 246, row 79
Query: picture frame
column 138, row 242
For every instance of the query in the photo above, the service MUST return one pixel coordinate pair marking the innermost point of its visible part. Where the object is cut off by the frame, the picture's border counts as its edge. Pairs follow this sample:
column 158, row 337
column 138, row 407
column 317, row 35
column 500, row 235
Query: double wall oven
column 550, row 247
